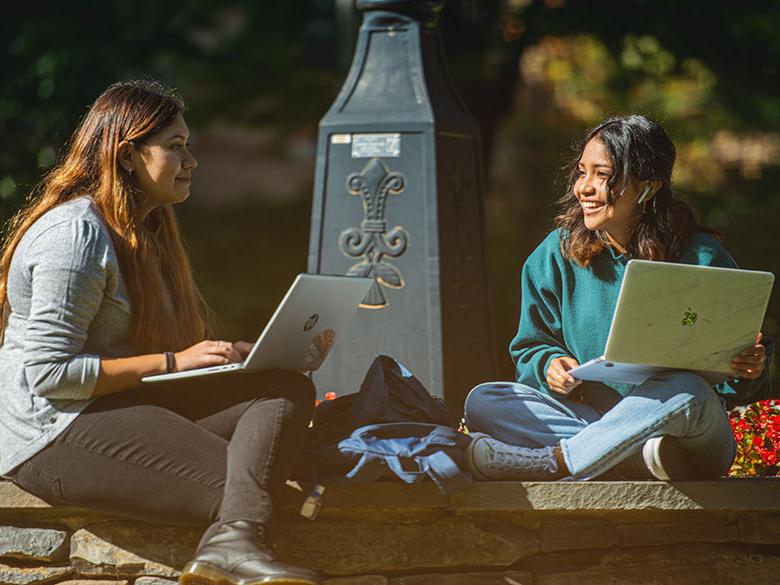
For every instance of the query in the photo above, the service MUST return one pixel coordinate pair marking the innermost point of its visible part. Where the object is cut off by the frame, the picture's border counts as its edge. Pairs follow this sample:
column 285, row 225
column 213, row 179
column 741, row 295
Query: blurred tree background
column 536, row 74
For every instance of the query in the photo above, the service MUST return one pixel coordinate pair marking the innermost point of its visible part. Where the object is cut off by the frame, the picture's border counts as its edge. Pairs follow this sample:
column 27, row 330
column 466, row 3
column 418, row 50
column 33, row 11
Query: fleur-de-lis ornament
column 371, row 240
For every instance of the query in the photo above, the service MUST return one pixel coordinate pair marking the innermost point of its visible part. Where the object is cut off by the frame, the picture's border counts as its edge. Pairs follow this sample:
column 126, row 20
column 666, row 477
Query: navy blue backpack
column 392, row 428
column 389, row 393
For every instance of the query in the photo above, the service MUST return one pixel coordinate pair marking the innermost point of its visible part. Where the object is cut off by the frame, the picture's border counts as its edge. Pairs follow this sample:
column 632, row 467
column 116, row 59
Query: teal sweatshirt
column 566, row 310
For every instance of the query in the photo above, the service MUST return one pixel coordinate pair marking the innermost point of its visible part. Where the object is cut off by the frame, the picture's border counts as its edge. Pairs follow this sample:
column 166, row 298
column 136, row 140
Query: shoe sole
column 198, row 573
column 476, row 473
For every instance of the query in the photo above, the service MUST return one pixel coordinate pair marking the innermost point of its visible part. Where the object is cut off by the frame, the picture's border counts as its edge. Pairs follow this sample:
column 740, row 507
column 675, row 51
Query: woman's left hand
column 750, row 363
column 243, row 347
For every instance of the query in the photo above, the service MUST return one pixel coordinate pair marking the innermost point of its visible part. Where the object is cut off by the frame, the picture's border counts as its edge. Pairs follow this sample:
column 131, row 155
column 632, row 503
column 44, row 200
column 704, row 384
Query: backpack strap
column 444, row 472
column 371, row 467
column 430, row 448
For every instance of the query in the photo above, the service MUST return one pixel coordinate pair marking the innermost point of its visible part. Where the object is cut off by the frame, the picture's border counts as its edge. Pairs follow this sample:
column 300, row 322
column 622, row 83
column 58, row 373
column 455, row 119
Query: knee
column 691, row 387
column 293, row 391
column 474, row 400
column 299, row 390
column 688, row 392
column 484, row 402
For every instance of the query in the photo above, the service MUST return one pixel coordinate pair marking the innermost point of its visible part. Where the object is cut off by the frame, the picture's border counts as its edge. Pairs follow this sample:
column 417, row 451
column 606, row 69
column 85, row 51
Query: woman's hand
column 750, row 363
column 119, row 374
column 208, row 353
column 558, row 377
column 243, row 348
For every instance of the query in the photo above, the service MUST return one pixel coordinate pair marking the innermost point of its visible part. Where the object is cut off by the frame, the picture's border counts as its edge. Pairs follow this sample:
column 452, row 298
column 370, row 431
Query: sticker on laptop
column 689, row 318
column 320, row 346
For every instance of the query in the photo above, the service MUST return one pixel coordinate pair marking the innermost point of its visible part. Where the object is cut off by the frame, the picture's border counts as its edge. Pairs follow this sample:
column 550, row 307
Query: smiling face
column 617, row 218
column 163, row 165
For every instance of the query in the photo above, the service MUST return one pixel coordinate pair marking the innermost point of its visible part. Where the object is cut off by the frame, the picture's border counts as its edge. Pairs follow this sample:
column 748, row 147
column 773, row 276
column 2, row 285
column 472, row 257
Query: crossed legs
column 675, row 404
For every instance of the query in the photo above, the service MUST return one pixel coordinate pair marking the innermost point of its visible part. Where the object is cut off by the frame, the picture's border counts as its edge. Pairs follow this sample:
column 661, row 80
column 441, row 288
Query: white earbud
column 644, row 195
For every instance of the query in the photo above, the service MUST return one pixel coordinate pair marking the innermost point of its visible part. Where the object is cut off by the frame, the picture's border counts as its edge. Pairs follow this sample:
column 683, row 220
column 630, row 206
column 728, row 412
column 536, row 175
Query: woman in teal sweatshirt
column 619, row 205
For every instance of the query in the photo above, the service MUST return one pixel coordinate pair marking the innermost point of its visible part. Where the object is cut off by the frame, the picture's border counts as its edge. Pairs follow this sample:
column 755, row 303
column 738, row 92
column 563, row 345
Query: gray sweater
column 68, row 308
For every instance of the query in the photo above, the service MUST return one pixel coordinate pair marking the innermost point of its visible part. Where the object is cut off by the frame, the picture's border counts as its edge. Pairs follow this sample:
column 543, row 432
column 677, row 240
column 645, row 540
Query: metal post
column 398, row 196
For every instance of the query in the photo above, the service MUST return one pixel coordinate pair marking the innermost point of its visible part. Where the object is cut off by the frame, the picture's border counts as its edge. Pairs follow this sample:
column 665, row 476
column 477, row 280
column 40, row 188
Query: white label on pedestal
column 376, row 145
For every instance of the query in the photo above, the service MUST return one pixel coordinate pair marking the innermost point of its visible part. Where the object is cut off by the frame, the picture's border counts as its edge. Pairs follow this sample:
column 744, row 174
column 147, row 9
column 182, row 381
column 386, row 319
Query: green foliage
column 238, row 61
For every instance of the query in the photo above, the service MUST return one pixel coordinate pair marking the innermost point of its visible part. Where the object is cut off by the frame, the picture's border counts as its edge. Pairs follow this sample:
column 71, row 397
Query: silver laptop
column 680, row 317
column 313, row 314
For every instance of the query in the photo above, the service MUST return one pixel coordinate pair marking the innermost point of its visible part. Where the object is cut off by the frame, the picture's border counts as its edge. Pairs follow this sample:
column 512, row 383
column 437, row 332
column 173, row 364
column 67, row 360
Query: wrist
column 170, row 362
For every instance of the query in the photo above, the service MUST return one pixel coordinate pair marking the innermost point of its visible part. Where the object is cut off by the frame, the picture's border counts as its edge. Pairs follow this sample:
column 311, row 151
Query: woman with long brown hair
column 96, row 292
column 619, row 205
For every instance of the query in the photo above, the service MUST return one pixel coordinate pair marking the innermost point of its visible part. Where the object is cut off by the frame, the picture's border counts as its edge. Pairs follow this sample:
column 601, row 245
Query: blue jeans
column 679, row 404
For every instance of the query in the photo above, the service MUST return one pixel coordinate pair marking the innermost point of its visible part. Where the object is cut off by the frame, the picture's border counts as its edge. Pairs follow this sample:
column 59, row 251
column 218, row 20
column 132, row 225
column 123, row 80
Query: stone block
column 669, row 533
column 382, row 501
column 344, row 548
column 719, row 495
column 683, row 564
column 35, row 544
column 32, row 575
column 498, row 578
column 362, row 580
column 12, row 496
column 96, row 582
column 18, row 507
column 131, row 549
column 505, row 578
column 715, row 574
column 153, row 581
column 636, row 576
column 761, row 529
column 577, row 533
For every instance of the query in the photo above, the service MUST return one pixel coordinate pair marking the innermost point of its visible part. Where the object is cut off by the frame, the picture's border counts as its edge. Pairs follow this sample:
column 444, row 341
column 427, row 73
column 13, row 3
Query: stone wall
column 632, row 533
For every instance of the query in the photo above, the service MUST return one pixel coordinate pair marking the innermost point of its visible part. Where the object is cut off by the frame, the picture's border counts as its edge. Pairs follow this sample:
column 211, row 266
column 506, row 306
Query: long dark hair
column 639, row 150
column 150, row 252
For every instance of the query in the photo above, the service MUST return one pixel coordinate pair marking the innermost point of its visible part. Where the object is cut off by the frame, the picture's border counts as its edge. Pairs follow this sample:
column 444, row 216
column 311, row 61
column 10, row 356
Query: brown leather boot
column 232, row 555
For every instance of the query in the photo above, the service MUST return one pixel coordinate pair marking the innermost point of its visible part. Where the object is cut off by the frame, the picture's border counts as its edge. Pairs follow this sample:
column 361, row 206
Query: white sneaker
column 490, row 459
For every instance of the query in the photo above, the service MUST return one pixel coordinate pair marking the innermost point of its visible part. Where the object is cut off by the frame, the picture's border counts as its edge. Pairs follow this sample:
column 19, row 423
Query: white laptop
column 680, row 317
column 313, row 314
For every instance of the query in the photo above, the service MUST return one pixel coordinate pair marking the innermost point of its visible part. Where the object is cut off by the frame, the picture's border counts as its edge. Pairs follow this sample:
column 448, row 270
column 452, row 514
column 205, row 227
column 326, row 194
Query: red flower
column 757, row 431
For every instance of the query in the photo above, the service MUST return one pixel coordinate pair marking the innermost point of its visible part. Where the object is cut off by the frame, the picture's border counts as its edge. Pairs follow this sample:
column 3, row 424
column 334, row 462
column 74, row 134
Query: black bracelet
column 170, row 362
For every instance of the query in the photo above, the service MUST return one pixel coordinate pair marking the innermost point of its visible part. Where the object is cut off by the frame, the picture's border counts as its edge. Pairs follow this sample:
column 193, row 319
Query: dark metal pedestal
column 398, row 196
